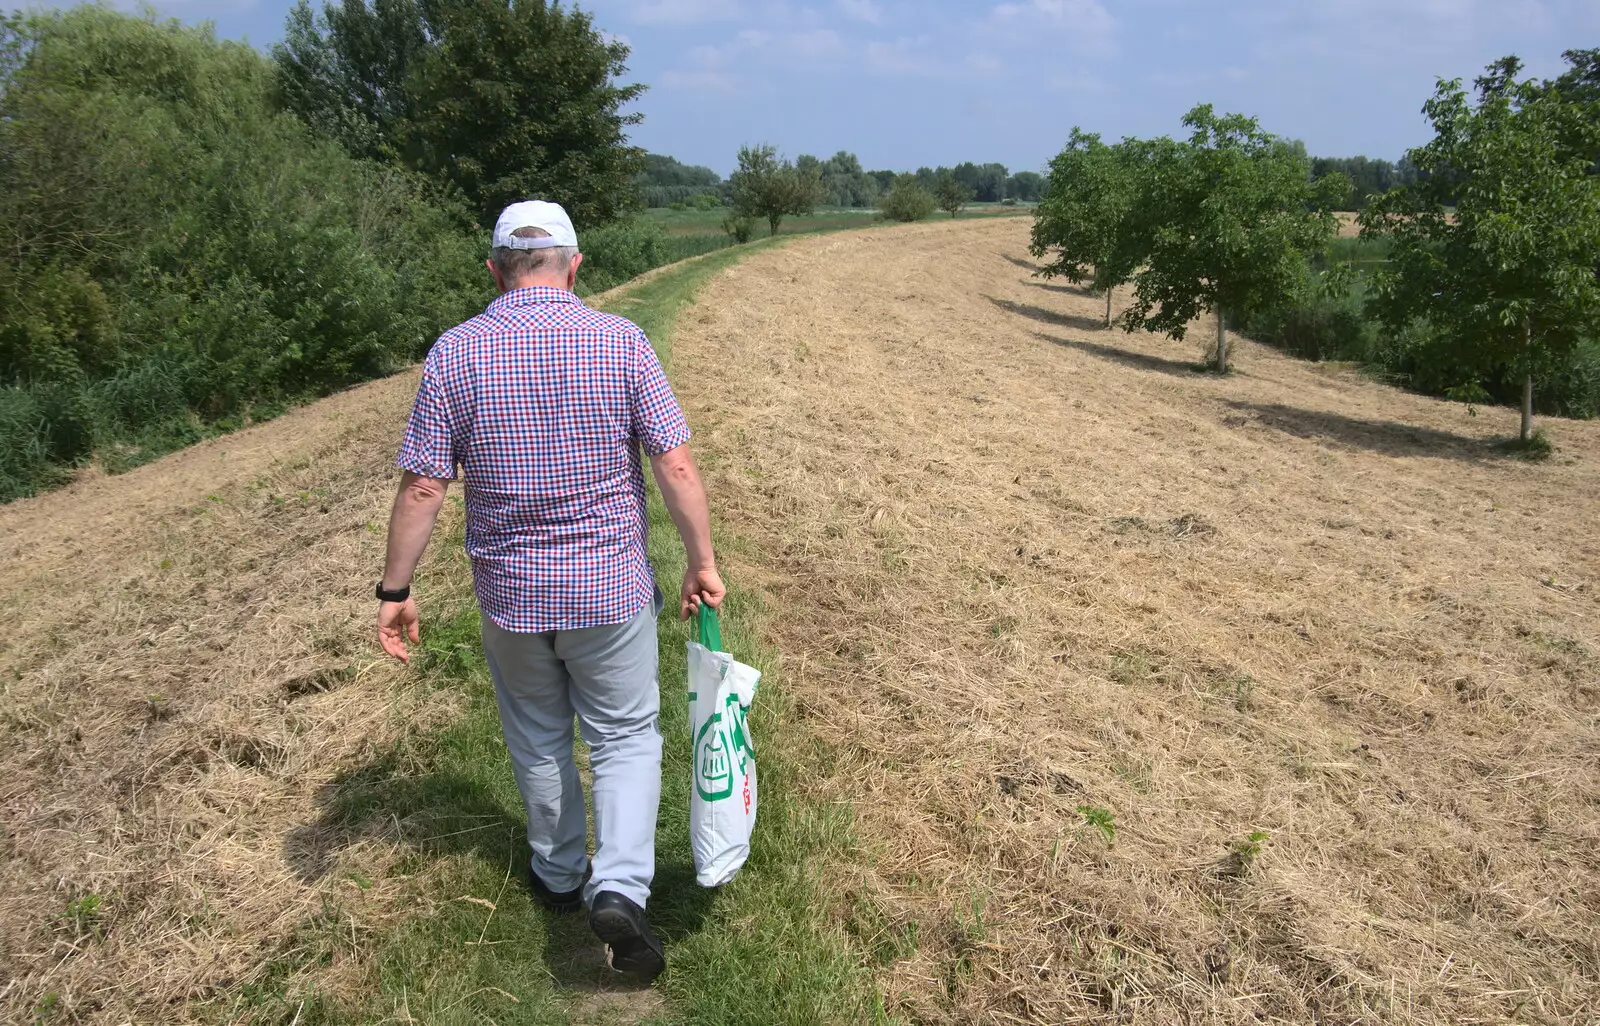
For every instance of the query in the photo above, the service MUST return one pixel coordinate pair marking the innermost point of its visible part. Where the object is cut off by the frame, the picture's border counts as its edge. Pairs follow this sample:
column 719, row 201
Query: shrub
column 677, row 205
column 739, row 226
column 246, row 265
column 706, row 201
column 907, row 200
column 618, row 251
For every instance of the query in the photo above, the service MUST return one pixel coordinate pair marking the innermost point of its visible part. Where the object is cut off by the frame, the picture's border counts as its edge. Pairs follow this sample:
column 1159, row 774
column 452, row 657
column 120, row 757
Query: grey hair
column 516, row 264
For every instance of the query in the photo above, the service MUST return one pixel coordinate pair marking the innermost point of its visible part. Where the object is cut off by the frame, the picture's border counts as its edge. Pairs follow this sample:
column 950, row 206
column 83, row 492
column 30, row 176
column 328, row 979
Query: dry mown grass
column 185, row 667
column 1027, row 567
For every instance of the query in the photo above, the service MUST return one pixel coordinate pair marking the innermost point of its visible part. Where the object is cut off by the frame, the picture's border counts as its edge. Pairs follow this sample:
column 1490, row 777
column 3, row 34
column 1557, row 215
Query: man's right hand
column 700, row 586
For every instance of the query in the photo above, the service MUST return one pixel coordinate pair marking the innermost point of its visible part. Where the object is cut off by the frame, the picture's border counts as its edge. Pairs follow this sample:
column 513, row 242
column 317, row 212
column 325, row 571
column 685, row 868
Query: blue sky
column 904, row 83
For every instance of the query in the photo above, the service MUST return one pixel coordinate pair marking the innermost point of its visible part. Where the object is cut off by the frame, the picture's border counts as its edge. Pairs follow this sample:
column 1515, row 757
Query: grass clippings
column 1279, row 631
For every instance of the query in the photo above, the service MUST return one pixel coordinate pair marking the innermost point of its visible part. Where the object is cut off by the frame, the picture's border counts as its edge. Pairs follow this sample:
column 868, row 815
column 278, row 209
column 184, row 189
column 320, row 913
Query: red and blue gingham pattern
column 543, row 403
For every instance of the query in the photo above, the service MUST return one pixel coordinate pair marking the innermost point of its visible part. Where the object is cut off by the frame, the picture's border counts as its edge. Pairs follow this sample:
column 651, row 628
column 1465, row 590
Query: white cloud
column 1085, row 19
column 904, row 56
column 703, row 81
column 816, row 44
column 862, row 10
column 684, row 12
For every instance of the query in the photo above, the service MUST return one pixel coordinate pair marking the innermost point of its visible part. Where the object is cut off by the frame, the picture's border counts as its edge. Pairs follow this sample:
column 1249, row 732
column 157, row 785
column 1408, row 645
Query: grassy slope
column 758, row 951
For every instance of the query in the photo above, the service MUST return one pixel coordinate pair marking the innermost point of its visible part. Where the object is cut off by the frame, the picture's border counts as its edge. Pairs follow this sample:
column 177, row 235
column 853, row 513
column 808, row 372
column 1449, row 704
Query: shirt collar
column 531, row 296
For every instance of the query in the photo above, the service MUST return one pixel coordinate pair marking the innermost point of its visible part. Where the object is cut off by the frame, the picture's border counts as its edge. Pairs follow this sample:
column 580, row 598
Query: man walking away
column 544, row 403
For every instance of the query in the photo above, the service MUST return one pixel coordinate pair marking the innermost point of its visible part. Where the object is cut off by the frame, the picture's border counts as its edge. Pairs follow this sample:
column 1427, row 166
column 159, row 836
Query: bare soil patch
column 1028, row 570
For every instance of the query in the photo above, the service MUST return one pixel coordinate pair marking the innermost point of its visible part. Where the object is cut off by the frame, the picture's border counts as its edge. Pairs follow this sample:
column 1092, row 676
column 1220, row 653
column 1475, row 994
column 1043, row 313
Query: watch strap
column 397, row 595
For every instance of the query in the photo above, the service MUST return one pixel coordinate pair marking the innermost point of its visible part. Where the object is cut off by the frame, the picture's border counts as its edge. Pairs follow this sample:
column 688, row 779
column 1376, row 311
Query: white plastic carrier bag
column 722, row 808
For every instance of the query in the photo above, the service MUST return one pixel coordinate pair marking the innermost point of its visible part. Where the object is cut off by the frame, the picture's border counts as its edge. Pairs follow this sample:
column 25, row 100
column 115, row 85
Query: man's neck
column 538, row 282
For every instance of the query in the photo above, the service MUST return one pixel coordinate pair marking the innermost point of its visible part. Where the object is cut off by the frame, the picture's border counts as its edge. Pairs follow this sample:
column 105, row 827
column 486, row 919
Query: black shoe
column 621, row 924
column 558, row 901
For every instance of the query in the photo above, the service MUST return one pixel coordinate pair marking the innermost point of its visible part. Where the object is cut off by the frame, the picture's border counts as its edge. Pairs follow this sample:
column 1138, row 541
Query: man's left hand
column 397, row 621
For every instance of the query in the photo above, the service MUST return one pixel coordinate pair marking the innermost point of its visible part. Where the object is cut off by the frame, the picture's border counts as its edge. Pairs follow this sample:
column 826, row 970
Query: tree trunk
column 1527, row 407
column 1222, row 343
column 1109, row 290
column 774, row 220
column 1527, row 382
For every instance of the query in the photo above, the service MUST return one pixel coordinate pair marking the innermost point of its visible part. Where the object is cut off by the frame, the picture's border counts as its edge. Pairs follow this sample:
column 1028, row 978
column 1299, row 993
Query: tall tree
column 950, row 193
column 1231, row 217
column 767, row 186
column 1086, row 219
column 1496, row 244
column 501, row 101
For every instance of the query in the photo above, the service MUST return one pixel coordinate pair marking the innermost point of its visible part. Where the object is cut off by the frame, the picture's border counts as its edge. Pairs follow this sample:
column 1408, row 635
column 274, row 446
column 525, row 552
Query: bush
column 616, row 252
column 677, row 206
column 706, row 201
column 739, row 227
column 211, row 259
column 1009, row 201
column 907, row 201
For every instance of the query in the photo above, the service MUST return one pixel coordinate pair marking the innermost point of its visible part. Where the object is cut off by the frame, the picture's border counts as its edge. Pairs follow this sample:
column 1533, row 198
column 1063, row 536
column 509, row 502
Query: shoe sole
column 562, row 908
column 629, row 952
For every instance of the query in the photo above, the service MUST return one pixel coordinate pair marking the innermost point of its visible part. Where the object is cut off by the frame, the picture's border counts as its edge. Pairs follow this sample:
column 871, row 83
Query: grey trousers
column 607, row 676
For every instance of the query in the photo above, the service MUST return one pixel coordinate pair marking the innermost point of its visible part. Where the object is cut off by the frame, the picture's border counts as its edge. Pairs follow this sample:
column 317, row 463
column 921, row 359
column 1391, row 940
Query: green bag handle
column 709, row 631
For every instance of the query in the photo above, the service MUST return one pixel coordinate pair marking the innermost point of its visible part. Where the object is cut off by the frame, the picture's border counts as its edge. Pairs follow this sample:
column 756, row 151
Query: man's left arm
column 416, row 510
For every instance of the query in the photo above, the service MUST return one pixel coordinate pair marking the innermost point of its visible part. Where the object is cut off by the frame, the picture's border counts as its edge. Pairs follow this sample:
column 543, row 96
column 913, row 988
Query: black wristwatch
column 398, row 595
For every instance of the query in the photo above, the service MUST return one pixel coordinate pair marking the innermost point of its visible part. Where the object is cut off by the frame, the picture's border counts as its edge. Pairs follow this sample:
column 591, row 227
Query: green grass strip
column 761, row 950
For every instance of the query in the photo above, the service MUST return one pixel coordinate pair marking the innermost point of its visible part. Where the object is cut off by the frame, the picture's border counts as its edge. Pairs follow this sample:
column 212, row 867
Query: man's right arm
column 685, row 498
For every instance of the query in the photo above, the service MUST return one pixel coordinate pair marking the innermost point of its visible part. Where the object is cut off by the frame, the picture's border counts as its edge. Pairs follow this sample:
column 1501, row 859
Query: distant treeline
column 1368, row 176
column 664, row 181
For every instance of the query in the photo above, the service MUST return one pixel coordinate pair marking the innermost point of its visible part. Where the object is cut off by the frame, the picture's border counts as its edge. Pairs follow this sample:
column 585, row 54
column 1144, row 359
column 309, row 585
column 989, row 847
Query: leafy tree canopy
column 1496, row 244
column 1086, row 219
column 767, row 186
column 499, row 101
column 1230, row 216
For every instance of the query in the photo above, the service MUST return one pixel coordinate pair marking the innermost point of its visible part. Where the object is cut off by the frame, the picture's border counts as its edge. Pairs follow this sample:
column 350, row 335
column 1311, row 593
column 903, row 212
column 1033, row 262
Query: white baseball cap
column 548, row 217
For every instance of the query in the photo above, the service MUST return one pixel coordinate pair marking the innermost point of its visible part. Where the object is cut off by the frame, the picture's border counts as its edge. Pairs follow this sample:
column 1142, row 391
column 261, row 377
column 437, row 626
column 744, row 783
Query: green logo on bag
column 713, row 776
column 722, row 740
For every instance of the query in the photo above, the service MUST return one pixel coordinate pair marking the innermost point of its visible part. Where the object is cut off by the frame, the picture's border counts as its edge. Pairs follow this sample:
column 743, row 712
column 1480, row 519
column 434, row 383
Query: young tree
column 501, row 101
column 907, row 200
column 949, row 193
column 766, row 186
column 1497, row 242
column 1231, row 217
column 1085, row 220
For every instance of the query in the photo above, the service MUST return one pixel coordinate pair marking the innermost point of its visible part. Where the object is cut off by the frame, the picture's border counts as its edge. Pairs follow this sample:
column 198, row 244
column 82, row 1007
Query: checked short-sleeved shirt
column 544, row 403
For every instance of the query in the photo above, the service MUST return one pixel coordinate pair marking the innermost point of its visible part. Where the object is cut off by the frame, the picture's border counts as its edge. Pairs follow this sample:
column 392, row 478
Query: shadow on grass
column 1141, row 361
column 1384, row 436
column 1040, row 314
column 439, row 812
column 1027, row 265
column 1069, row 289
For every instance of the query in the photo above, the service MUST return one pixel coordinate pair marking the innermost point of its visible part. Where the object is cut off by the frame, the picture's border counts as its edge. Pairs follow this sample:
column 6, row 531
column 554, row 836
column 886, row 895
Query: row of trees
column 1493, row 236
column 768, row 187
column 841, row 181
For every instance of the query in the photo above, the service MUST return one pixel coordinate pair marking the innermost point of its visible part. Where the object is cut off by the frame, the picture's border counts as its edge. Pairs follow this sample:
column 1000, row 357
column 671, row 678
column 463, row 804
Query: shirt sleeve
column 429, row 447
column 656, row 419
